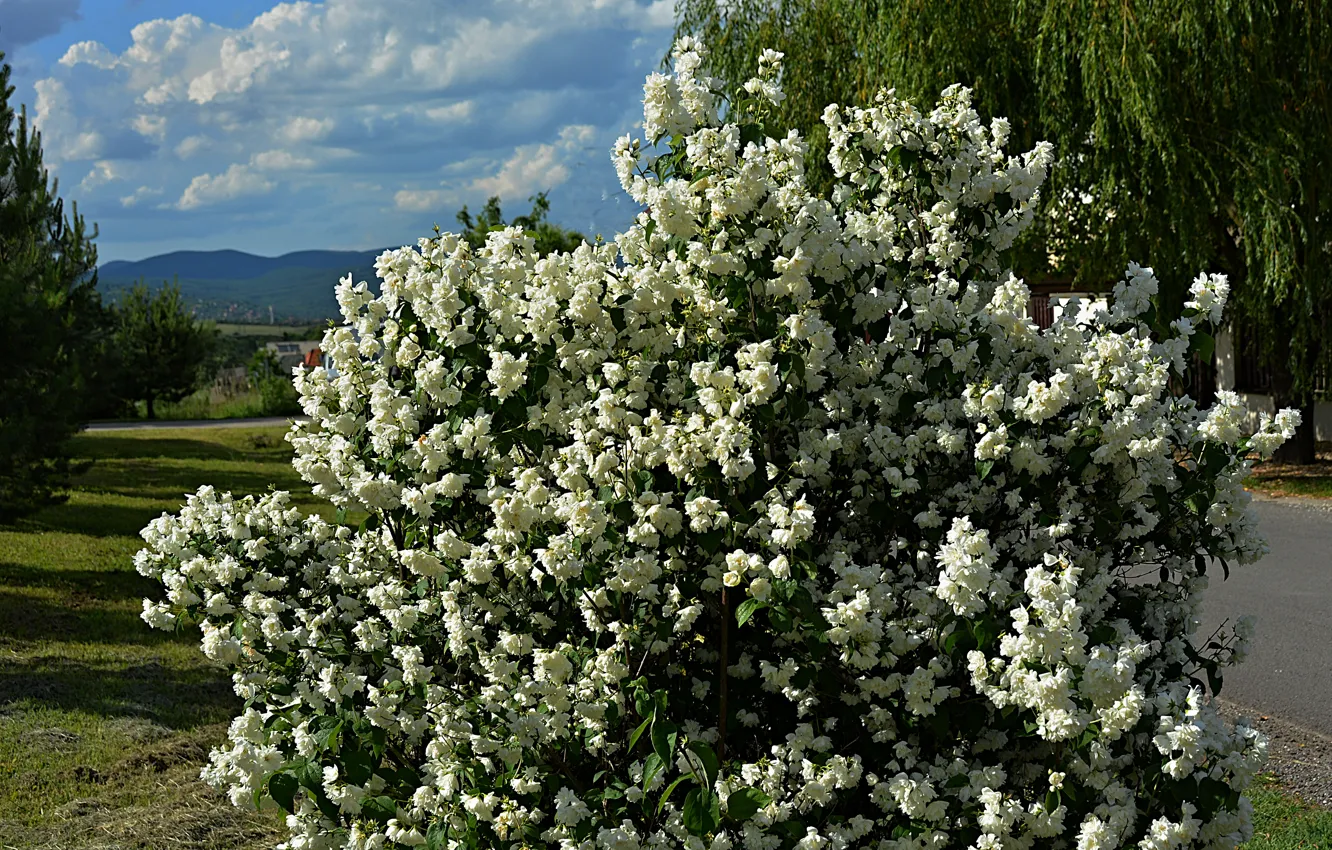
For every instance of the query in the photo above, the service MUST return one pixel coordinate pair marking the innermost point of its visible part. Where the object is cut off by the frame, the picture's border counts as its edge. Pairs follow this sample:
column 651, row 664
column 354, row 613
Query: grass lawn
column 1290, row 479
column 1281, row 822
column 104, row 723
column 238, row 329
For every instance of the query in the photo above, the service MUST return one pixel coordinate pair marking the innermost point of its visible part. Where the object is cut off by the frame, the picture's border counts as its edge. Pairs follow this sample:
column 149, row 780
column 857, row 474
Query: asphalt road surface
column 1289, row 671
column 190, row 423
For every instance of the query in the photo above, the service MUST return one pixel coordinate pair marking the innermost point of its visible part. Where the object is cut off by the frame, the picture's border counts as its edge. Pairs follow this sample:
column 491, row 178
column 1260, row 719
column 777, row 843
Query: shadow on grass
column 110, row 584
column 77, row 617
column 102, row 446
column 175, row 698
column 171, row 481
column 94, row 520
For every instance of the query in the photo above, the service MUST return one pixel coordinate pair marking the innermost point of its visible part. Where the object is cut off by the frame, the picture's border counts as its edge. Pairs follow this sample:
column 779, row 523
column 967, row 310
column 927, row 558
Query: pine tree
column 1190, row 135
column 49, row 319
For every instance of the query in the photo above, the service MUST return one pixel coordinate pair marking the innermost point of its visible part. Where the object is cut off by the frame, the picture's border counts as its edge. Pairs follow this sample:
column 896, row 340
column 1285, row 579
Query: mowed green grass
column 257, row 330
column 104, row 723
column 1281, row 822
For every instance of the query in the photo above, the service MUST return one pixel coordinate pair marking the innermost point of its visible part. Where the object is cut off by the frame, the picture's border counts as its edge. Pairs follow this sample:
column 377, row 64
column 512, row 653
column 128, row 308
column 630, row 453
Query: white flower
column 828, row 417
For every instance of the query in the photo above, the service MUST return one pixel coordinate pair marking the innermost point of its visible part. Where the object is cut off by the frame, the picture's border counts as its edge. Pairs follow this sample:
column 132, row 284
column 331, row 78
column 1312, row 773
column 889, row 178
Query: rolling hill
column 236, row 286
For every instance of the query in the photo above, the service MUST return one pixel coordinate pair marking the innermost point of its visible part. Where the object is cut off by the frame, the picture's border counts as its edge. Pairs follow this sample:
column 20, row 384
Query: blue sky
column 271, row 127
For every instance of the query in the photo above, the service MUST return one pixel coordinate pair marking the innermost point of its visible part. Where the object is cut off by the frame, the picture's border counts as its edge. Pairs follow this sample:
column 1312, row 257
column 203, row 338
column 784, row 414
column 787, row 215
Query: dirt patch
column 172, row 754
column 51, row 739
column 186, row 815
column 138, row 730
column 90, row 775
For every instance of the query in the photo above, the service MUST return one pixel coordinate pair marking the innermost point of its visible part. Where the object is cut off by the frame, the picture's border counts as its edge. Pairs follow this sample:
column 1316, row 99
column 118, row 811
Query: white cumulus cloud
column 279, row 160
column 237, row 181
column 138, row 195
column 364, row 113
column 421, row 200
column 533, row 168
column 305, row 129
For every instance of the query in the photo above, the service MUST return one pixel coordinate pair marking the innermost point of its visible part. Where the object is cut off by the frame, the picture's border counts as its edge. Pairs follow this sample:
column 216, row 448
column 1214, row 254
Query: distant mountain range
column 235, row 286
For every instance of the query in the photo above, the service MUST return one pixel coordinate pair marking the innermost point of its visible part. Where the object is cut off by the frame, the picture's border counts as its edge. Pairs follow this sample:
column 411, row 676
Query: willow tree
column 1190, row 135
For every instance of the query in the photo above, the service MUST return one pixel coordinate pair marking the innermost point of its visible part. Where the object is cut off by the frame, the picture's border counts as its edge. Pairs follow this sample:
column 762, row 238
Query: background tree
column 161, row 348
column 1190, row 135
column 276, row 391
column 549, row 237
column 49, row 321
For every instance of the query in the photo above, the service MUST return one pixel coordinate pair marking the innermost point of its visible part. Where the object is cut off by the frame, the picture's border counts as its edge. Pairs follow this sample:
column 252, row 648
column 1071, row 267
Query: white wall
column 1257, row 402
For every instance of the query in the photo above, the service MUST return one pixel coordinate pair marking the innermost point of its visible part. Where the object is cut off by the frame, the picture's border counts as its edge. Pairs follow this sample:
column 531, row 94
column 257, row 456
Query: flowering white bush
column 774, row 524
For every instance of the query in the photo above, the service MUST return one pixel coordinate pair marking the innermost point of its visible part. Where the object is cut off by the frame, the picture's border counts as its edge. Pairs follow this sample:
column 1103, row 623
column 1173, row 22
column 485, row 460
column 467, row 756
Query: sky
column 351, row 124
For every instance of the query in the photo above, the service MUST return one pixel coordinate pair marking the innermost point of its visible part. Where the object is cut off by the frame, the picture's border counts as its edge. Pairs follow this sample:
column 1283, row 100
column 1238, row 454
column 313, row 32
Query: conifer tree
column 49, row 318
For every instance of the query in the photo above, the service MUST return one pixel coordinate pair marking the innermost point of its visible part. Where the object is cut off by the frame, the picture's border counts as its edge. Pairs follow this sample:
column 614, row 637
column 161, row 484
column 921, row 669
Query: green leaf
column 1198, row 503
column 652, row 765
column 330, row 809
column 437, row 836
column 751, row 133
column 643, row 704
column 781, row 620
column 709, row 541
column 665, row 735
column 744, row 803
column 747, row 609
column 309, row 774
column 983, row 469
column 1204, row 344
column 358, row 766
column 533, row 439
column 705, row 754
column 665, row 795
column 702, row 811
column 986, row 631
column 540, row 375
column 1078, row 458
column 282, row 787
column 638, row 733
column 798, row 406
column 959, row 639
column 382, row 809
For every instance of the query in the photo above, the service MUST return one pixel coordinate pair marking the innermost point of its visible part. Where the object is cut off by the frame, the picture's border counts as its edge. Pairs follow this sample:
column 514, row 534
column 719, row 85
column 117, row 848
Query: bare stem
column 725, row 662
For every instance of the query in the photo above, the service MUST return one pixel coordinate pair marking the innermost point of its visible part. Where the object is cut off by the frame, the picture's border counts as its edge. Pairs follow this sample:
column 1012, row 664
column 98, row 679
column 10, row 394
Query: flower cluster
column 775, row 523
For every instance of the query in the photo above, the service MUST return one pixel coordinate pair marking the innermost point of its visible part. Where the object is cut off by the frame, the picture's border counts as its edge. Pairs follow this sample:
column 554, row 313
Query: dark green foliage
column 276, row 389
column 1191, row 136
column 49, row 312
column 549, row 237
column 161, row 349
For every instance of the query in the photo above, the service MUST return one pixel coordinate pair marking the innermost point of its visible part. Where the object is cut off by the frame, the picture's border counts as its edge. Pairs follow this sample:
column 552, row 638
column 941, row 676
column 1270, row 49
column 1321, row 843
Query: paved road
column 1289, row 672
column 190, row 423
